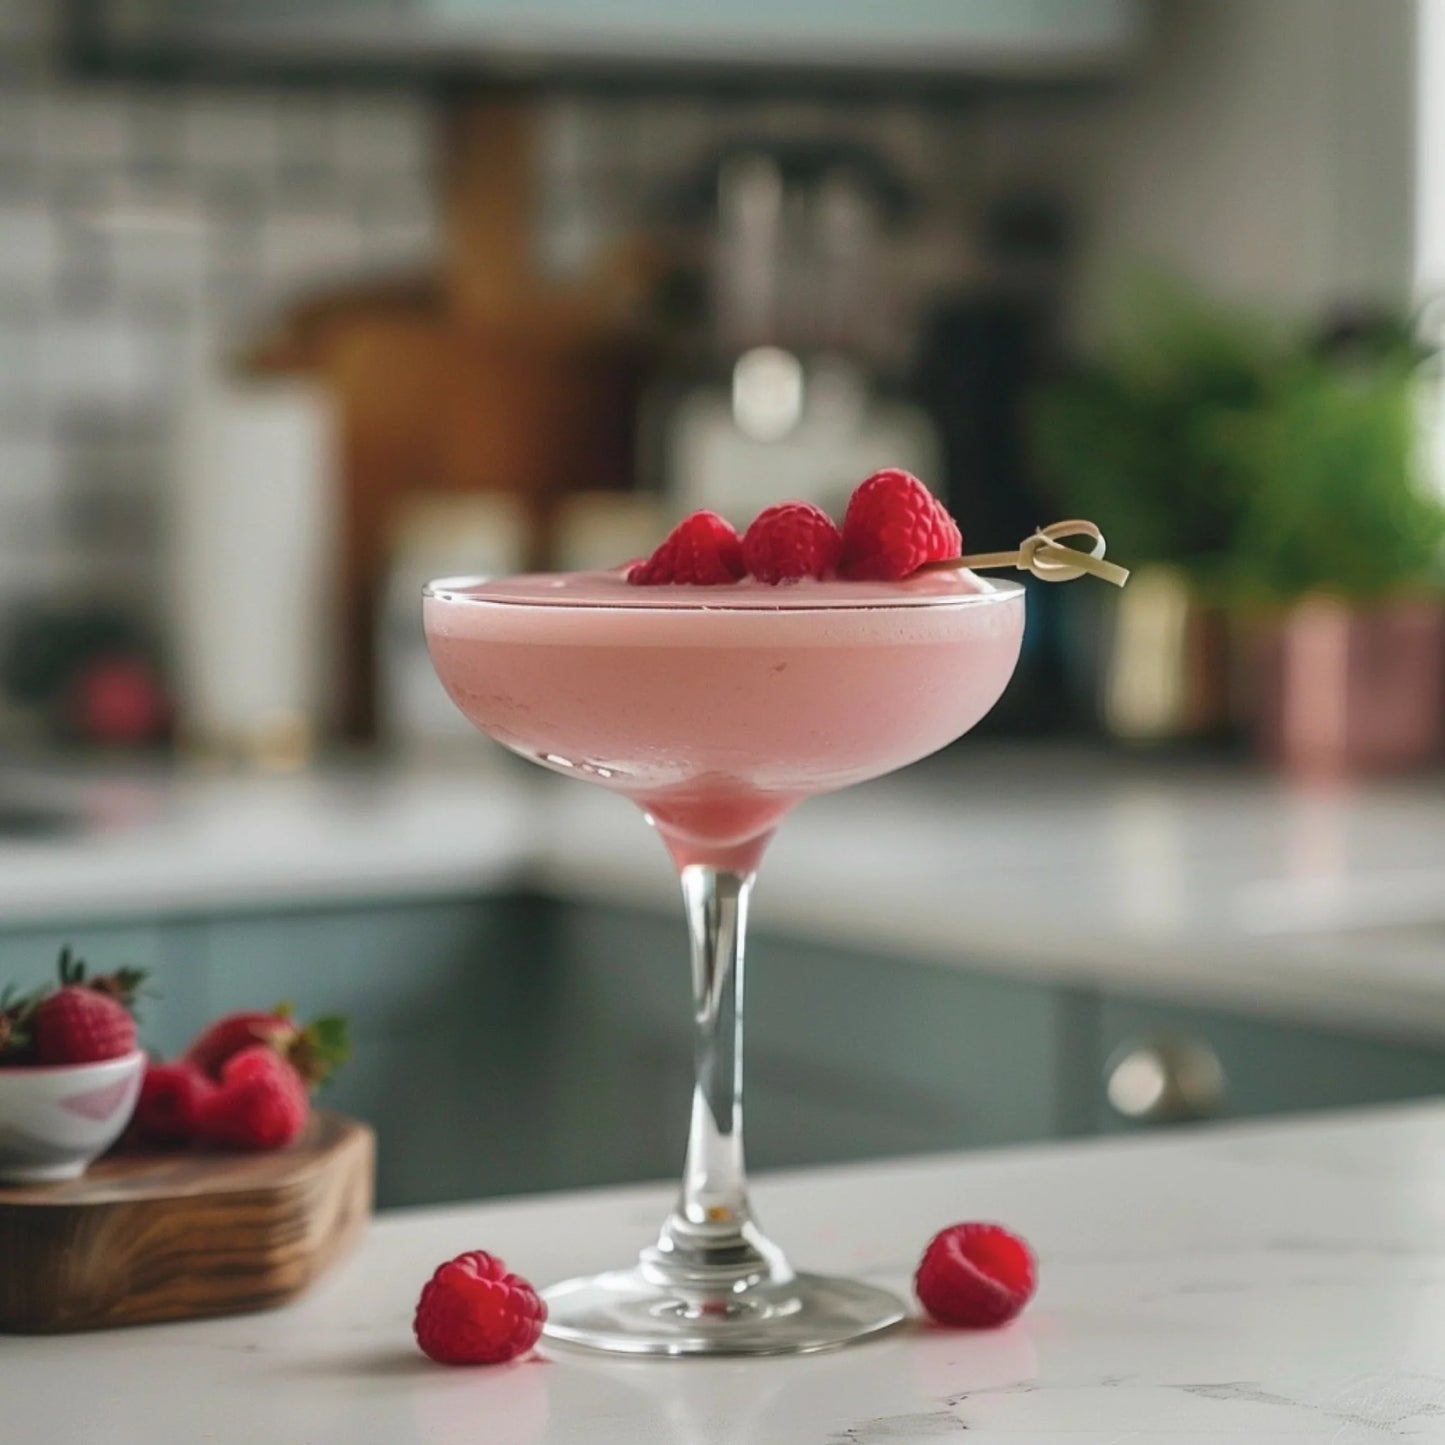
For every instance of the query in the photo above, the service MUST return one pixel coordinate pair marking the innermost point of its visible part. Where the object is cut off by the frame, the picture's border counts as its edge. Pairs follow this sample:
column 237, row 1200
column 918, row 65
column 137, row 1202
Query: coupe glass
column 716, row 713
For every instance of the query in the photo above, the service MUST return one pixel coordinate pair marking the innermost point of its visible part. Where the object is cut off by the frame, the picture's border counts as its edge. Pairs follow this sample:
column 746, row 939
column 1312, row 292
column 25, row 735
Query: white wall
column 1266, row 150
column 1430, row 149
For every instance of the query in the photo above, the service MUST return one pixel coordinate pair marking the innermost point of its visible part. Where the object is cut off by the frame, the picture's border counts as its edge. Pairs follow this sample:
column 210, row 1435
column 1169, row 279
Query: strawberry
column 169, row 1107
column 893, row 525
column 702, row 550
column 314, row 1050
column 260, row 1103
column 76, row 1025
column 84, row 1021
column 16, row 1017
column 791, row 540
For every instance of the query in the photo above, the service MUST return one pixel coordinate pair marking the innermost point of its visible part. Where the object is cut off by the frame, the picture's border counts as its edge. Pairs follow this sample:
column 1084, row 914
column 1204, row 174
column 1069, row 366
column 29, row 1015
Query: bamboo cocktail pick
column 1045, row 555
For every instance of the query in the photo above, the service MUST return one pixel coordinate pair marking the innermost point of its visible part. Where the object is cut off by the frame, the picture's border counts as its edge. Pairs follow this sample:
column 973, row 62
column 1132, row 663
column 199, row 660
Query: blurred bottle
column 253, row 529
column 791, row 397
column 987, row 338
column 487, row 534
column 600, row 530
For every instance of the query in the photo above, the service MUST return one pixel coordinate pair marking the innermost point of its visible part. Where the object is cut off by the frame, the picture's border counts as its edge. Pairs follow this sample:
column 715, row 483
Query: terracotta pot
column 1338, row 689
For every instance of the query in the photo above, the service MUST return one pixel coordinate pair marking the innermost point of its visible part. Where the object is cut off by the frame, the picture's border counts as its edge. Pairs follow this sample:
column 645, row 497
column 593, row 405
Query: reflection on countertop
column 1199, row 880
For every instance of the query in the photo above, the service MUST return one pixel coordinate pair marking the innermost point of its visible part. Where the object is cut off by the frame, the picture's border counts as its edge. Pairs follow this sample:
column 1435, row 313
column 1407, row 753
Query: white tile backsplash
column 19, row 120
column 400, row 245
column 392, row 134
column 103, row 362
column 146, row 231
column 28, row 567
column 154, row 259
column 27, row 471
column 307, row 126
column 158, row 227
column 309, row 248
column 219, row 128
column 29, row 252
column 20, row 382
column 32, row 544
column 81, row 127
column 27, row 32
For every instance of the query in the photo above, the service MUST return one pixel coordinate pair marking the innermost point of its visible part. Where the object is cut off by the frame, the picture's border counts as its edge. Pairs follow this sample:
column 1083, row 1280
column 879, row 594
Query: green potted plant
column 1335, row 571
column 1273, row 477
column 1142, row 440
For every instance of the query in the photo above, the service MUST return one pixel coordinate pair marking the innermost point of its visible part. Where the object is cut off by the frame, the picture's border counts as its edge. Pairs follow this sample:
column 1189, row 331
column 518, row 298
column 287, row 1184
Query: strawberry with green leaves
column 16, row 1012
column 314, row 1050
column 84, row 1021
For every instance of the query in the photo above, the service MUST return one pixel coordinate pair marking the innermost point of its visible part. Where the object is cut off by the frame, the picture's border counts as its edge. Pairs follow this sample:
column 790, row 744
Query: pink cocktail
column 716, row 710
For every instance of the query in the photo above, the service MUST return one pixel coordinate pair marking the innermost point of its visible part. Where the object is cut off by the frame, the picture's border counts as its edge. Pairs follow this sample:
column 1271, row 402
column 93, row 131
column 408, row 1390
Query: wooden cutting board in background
column 147, row 1237
column 487, row 377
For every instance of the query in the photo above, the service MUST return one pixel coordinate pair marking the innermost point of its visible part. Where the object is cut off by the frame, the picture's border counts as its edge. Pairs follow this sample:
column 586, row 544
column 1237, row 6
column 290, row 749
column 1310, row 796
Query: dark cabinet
column 848, row 1054
column 518, row 1043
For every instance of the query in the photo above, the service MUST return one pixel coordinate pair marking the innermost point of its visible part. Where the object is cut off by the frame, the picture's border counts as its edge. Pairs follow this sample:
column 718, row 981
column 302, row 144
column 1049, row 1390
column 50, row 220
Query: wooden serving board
column 143, row 1237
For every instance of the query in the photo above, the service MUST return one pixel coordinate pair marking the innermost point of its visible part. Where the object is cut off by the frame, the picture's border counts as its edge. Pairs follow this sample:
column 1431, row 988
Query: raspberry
column 169, row 1107
column 894, row 525
column 472, row 1312
column 702, row 549
column 975, row 1275
column 260, row 1104
column 791, row 540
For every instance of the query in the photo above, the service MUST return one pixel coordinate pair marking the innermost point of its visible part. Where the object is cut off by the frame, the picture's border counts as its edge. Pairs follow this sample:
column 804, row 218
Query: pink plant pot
column 1341, row 690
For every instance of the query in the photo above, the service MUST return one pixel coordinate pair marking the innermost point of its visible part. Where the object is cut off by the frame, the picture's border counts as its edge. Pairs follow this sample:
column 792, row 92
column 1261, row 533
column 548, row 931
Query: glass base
column 627, row 1312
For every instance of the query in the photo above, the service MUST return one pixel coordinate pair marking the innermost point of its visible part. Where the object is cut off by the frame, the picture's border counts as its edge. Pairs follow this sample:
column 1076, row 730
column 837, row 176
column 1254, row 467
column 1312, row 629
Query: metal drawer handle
column 1165, row 1081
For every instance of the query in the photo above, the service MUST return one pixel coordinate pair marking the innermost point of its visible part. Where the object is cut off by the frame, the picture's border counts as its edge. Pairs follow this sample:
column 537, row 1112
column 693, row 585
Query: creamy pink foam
column 612, row 589
column 717, row 709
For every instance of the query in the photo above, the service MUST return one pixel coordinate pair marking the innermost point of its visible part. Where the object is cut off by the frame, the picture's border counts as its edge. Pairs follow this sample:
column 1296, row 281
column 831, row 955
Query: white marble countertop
column 162, row 843
column 1243, row 1283
column 1210, row 883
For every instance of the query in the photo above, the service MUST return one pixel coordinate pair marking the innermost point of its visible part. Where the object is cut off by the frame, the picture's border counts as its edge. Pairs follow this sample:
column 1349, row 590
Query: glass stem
column 710, row 1238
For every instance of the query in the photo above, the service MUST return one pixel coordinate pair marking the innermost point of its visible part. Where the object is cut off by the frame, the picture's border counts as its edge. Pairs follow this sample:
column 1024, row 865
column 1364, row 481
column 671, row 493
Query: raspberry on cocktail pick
column 703, row 550
column 791, row 540
column 1044, row 554
column 893, row 526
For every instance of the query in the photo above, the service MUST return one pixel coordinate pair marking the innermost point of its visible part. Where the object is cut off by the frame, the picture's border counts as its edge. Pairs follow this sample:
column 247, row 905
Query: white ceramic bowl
column 54, row 1119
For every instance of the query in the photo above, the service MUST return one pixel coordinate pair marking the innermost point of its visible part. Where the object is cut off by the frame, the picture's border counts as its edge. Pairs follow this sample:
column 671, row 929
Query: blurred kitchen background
column 302, row 303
